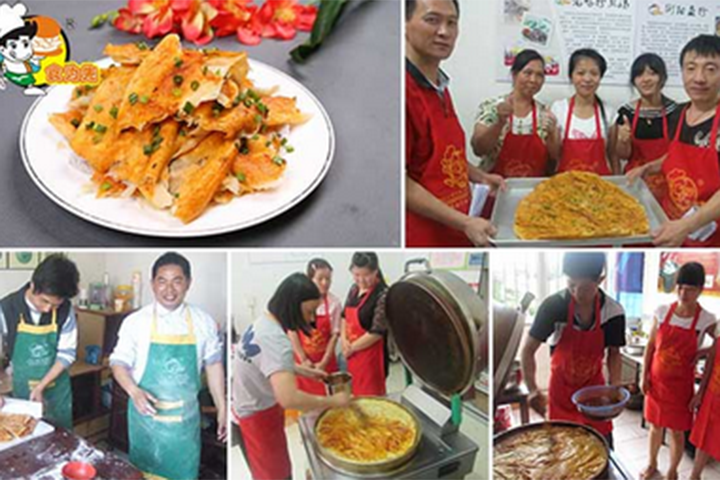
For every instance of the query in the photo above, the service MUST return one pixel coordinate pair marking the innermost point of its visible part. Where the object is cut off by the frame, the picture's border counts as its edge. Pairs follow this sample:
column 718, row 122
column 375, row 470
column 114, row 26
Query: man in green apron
column 42, row 337
column 160, row 353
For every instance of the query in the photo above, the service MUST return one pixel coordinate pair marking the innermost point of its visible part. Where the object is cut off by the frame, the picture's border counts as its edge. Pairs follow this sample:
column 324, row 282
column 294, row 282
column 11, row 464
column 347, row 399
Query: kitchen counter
column 44, row 457
column 356, row 75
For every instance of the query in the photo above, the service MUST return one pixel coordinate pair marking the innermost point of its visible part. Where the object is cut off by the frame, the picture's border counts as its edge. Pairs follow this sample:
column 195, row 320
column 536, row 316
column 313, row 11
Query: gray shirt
column 264, row 349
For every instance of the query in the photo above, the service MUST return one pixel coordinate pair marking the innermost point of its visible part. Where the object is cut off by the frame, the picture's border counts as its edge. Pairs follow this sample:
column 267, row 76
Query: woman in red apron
column 669, row 370
column 648, row 76
column 577, row 362
column 587, row 154
column 264, row 382
column 520, row 155
column 363, row 338
column 318, row 349
column 706, row 429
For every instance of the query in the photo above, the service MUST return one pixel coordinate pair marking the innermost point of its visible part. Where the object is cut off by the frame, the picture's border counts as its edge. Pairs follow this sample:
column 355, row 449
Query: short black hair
column 410, row 6
column 584, row 265
column 702, row 45
column 29, row 30
column 317, row 264
column 172, row 258
column 286, row 302
column 523, row 58
column 652, row 61
column 691, row 273
column 56, row 275
column 591, row 54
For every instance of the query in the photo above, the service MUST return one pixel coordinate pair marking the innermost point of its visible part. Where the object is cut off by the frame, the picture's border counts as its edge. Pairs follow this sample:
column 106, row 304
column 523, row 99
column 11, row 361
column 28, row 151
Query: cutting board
column 34, row 409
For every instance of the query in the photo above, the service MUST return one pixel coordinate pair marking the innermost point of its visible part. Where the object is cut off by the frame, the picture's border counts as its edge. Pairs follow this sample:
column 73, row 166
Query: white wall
column 256, row 275
column 209, row 271
column 472, row 68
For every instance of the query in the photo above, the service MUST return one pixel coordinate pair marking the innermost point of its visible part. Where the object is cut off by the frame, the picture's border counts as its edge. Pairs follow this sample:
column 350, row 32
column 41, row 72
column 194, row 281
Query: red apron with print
column 647, row 150
column 577, row 362
column 672, row 374
column 366, row 366
column 523, row 155
column 693, row 176
column 266, row 446
column 445, row 177
column 706, row 430
column 583, row 154
column 315, row 347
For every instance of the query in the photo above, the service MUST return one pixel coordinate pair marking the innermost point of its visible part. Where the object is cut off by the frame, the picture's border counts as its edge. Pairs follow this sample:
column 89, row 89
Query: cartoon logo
column 34, row 53
column 518, row 168
column 581, row 370
column 454, row 166
column 38, row 351
column 173, row 368
column 683, row 190
column 250, row 349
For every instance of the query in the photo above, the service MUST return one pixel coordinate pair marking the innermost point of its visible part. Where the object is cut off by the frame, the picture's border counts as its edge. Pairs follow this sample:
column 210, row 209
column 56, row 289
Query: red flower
column 157, row 16
column 282, row 18
column 127, row 22
column 232, row 15
column 195, row 20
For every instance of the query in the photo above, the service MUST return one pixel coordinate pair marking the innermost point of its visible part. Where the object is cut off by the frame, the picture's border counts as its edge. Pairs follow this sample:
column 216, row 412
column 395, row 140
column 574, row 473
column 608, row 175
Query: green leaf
column 327, row 17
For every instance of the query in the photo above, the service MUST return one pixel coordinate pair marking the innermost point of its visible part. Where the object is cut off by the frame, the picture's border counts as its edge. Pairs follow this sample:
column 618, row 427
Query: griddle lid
column 432, row 336
column 508, row 326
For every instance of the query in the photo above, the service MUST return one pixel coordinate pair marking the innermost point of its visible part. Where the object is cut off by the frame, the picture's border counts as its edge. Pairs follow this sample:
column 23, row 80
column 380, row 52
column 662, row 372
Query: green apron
column 167, row 445
column 21, row 79
column 34, row 354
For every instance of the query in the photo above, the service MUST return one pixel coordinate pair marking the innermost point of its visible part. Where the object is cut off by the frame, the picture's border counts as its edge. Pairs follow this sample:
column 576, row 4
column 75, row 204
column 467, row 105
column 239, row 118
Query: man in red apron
column 706, row 429
column 669, row 368
column 438, row 175
column 691, row 166
column 581, row 324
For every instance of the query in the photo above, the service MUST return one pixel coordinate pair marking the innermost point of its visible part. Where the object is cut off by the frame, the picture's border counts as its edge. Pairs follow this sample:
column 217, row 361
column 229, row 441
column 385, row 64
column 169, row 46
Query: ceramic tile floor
column 475, row 429
column 631, row 445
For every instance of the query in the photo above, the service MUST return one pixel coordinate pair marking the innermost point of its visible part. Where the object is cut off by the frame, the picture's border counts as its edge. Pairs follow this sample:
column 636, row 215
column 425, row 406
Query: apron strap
column 598, row 129
column 680, row 124
column 714, row 132
column 571, row 313
column 534, row 118
column 188, row 320
column 568, row 121
column 698, row 310
column 636, row 117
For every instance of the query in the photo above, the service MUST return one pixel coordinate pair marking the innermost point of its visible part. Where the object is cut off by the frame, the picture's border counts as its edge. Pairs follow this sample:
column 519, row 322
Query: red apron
column 583, row 154
column 315, row 347
column 672, row 374
column 446, row 177
column 577, row 362
column 523, row 155
column 366, row 366
column 647, row 150
column 266, row 447
column 693, row 176
column 706, row 430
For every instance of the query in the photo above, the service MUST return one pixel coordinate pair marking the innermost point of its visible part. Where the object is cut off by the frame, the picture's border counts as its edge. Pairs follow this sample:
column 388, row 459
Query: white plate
column 59, row 173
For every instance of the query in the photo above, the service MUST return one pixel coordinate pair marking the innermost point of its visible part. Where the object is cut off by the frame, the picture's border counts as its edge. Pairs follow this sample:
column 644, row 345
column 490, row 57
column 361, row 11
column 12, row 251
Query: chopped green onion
column 289, row 149
column 255, row 137
column 248, row 103
column 253, row 94
column 240, row 176
column 105, row 186
column 283, row 142
column 75, row 122
column 133, row 98
column 148, row 149
column 98, row 108
column 97, row 139
column 262, row 108
column 178, row 80
column 182, row 132
column 176, row 92
column 142, row 45
column 188, row 108
column 195, row 85
column 178, row 62
column 114, row 112
column 278, row 161
column 205, row 70
column 156, row 130
column 89, row 125
column 144, row 99
column 258, row 118
column 100, row 128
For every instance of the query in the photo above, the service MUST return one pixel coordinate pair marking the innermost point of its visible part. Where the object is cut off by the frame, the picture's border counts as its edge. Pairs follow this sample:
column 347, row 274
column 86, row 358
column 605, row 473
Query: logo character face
column 19, row 50
column 38, row 351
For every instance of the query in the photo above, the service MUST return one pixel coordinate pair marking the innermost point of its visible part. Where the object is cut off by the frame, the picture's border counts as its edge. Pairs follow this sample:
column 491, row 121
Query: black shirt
column 698, row 136
column 372, row 313
column 551, row 319
column 650, row 123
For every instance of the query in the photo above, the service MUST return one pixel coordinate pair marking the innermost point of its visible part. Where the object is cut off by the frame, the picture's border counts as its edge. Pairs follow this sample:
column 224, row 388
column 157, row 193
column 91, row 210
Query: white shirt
column 133, row 343
column 705, row 320
column 335, row 311
column 580, row 128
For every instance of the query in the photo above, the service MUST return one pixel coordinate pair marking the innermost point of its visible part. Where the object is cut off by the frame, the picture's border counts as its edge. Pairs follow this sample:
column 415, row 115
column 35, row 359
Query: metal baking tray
column 506, row 204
